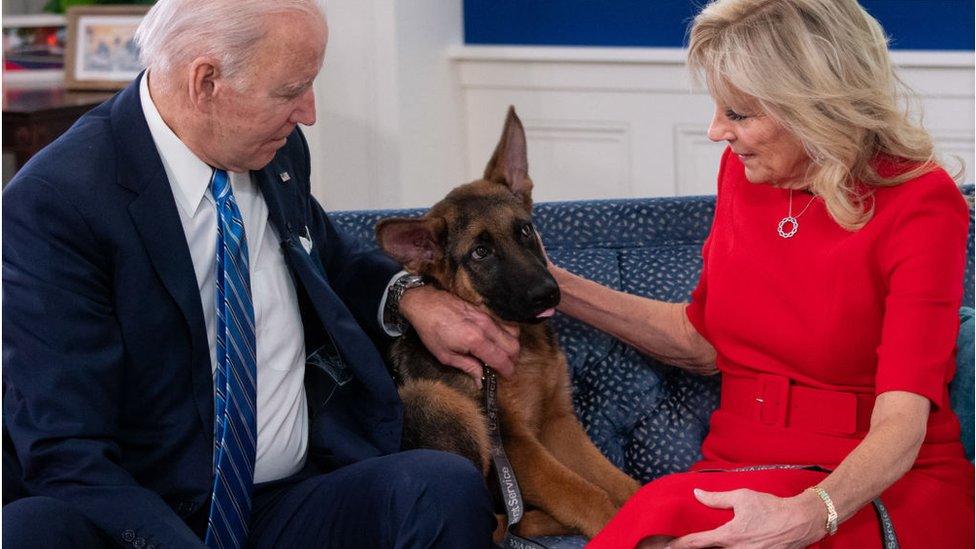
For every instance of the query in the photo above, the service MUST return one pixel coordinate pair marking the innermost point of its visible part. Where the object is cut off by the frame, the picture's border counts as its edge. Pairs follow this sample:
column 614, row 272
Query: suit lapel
column 157, row 221
column 282, row 206
column 373, row 396
column 286, row 212
column 154, row 214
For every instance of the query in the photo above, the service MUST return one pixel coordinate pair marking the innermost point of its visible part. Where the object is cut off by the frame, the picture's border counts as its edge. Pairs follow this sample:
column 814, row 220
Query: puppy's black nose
column 544, row 295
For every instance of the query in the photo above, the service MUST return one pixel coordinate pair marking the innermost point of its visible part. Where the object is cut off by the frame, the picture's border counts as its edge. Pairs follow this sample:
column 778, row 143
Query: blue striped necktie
column 235, row 377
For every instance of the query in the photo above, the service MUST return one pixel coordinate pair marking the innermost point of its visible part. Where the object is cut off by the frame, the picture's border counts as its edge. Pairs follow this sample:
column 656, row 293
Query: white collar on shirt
column 188, row 175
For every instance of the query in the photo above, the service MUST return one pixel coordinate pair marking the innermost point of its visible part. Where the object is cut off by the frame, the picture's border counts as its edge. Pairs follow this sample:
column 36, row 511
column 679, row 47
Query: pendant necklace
column 790, row 220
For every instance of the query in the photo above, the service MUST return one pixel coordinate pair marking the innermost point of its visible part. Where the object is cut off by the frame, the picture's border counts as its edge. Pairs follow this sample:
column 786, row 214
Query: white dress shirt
column 282, row 415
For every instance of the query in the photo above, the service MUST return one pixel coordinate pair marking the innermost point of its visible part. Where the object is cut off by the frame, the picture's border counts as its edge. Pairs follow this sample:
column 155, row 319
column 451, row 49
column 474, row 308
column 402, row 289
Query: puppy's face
column 479, row 242
column 494, row 255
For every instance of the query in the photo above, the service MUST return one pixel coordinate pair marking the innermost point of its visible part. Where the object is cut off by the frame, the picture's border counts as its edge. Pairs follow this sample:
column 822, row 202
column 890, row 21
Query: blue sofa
column 650, row 419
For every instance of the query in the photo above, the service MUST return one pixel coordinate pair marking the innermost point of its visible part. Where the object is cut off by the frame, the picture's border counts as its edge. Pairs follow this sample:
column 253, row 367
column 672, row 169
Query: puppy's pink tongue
column 546, row 314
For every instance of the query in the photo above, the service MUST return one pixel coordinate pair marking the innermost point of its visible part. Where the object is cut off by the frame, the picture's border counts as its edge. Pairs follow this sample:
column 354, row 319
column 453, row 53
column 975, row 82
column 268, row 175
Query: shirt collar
column 188, row 175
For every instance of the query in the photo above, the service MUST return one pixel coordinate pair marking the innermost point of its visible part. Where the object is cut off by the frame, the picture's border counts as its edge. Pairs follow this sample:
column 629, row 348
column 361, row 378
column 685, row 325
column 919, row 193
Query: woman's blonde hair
column 822, row 69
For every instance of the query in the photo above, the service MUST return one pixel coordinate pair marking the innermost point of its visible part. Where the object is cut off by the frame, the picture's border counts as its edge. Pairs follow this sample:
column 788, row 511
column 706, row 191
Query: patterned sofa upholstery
column 649, row 419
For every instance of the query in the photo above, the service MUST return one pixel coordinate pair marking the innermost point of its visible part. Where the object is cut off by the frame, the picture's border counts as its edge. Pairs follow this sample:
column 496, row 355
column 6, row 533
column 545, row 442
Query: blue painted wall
column 911, row 24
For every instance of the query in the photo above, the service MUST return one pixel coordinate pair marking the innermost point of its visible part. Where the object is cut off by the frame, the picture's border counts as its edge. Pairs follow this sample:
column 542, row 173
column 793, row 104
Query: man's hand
column 761, row 521
column 458, row 334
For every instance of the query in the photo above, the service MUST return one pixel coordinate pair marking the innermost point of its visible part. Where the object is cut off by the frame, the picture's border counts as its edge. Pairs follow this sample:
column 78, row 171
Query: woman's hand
column 761, row 521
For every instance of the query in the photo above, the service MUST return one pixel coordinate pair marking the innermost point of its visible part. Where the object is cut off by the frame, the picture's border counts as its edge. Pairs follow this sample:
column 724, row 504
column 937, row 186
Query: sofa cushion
column 665, row 273
column 967, row 283
column 581, row 343
column 667, row 438
column 649, row 419
column 624, row 223
column 610, row 397
column 961, row 388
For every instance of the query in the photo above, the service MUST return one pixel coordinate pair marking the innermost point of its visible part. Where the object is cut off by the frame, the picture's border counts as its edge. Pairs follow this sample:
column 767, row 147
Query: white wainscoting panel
column 626, row 122
column 695, row 160
column 594, row 152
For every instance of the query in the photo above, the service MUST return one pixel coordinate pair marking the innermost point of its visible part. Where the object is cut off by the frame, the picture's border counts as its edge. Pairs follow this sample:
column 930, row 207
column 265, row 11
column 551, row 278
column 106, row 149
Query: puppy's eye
column 527, row 230
column 480, row 253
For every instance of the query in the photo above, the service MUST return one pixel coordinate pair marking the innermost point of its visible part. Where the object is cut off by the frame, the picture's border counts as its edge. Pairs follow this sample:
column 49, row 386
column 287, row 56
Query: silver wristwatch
column 391, row 311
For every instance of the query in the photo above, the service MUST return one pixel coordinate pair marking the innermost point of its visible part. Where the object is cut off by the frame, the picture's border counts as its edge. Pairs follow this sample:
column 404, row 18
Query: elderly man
column 187, row 350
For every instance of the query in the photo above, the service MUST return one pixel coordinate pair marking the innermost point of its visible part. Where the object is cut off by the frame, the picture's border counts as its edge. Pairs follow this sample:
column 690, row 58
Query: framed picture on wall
column 33, row 49
column 101, row 53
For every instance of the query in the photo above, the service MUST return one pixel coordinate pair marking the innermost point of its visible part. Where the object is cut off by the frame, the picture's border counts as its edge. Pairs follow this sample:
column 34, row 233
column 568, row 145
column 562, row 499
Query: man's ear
column 202, row 82
column 509, row 165
column 413, row 242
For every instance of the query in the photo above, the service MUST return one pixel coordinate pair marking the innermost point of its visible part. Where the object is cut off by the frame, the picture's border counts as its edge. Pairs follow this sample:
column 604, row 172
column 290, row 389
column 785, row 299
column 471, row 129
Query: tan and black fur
column 479, row 243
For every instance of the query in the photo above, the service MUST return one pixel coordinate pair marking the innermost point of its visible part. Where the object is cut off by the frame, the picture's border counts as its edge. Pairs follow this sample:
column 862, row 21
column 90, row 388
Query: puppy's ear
column 414, row 242
column 509, row 165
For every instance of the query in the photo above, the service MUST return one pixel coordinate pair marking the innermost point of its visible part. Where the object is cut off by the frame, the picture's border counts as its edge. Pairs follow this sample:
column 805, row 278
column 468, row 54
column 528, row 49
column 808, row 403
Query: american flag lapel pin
column 284, row 177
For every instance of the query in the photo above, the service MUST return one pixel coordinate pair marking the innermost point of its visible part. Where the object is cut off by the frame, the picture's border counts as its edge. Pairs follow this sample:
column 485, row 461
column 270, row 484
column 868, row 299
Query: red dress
column 808, row 330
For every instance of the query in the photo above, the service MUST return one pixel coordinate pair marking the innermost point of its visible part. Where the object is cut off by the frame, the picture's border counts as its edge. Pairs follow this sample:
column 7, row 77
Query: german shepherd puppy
column 479, row 243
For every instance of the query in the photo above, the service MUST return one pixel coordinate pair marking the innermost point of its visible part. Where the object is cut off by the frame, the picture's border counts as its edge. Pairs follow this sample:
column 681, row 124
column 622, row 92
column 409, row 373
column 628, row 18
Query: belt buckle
column 772, row 399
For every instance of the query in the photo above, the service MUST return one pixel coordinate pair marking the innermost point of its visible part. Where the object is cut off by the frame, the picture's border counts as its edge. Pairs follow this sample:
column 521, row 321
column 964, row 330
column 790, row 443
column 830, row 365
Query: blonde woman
column 828, row 300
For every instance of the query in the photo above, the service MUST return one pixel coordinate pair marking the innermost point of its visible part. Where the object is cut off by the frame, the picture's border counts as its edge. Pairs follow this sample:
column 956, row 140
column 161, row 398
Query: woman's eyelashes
column 734, row 116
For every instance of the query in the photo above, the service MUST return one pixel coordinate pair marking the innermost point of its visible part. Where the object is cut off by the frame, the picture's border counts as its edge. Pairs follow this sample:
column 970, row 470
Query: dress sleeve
column 923, row 262
column 695, row 311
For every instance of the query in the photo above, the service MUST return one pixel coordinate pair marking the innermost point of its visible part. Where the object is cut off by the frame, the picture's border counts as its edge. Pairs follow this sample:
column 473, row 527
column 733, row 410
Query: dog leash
column 889, row 539
column 511, row 494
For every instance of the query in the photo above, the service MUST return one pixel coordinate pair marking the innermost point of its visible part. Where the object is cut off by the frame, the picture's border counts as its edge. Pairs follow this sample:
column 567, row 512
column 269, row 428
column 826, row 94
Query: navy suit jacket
column 109, row 394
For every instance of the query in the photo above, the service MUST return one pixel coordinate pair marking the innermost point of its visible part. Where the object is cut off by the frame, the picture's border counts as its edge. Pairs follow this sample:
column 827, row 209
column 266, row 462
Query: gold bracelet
column 831, row 524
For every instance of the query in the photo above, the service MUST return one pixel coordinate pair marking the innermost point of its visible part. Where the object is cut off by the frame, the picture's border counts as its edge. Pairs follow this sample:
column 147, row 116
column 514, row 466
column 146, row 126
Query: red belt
column 777, row 401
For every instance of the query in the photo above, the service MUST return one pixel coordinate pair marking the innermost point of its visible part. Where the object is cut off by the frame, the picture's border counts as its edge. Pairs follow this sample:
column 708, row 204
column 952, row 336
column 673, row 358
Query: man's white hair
column 175, row 32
